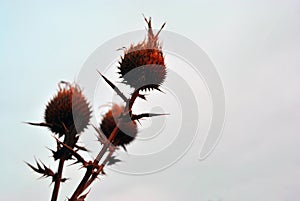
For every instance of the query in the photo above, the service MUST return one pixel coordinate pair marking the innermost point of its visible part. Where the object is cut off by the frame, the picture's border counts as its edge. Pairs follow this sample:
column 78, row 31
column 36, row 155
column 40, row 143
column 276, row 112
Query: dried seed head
column 68, row 112
column 143, row 66
column 127, row 130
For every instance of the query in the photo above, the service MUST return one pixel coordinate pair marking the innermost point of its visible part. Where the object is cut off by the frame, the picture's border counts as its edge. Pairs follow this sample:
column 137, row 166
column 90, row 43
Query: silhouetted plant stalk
column 68, row 114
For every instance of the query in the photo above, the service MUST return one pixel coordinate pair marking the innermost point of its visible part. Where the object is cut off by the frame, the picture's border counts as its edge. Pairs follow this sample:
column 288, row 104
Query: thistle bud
column 127, row 129
column 68, row 112
column 143, row 66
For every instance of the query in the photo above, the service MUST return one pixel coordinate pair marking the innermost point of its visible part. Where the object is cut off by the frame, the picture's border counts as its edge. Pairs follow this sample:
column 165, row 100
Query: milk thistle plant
column 68, row 114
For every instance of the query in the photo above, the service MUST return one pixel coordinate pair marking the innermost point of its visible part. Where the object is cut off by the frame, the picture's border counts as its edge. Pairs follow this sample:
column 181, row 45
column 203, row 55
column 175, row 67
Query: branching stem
column 91, row 174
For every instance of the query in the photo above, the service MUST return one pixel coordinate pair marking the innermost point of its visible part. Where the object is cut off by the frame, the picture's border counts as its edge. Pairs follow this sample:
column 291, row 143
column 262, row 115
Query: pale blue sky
column 255, row 46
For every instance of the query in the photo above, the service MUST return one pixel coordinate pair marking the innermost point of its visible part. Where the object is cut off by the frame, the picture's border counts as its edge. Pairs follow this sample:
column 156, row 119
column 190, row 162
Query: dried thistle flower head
column 145, row 61
column 68, row 112
column 127, row 130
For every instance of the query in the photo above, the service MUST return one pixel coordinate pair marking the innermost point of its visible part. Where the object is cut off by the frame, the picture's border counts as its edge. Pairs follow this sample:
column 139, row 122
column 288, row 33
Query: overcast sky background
column 255, row 46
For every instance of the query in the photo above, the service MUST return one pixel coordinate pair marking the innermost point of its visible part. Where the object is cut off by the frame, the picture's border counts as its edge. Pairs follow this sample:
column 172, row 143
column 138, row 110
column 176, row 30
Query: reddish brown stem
column 131, row 101
column 106, row 145
column 58, row 180
column 95, row 174
column 89, row 171
column 80, row 187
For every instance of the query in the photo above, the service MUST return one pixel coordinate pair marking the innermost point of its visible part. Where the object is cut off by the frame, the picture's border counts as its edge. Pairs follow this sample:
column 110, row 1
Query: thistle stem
column 95, row 174
column 106, row 145
column 80, row 187
column 131, row 101
column 58, row 180
column 89, row 171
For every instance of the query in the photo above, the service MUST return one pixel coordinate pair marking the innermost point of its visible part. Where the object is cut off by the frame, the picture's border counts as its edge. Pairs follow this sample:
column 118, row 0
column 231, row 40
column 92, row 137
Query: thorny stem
column 80, row 187
column 106, row 145
column 131, row 101
column 100, row 169
column 111, row 152
column 89, row 171
column 58, row 179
